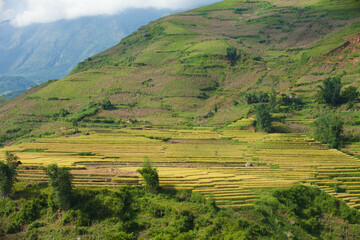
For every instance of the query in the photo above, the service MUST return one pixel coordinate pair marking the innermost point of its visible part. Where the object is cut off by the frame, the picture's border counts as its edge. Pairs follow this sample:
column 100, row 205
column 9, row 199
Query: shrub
column 328, row 129
column 63, row 112
column 28, row 212
column 257, row 97
column 106, row 104
column 232, row 55
column 309, row 204
column 263, row 117
column 350, row 94
column 60, row 180
column 6, row 207
column 150, row 176
column 76, row 217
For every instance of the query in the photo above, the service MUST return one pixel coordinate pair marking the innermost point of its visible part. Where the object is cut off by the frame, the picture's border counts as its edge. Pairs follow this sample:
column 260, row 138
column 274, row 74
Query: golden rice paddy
column 207, row 161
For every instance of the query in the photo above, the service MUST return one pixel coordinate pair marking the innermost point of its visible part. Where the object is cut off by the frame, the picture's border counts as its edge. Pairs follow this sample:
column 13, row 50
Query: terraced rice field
column 206, row 161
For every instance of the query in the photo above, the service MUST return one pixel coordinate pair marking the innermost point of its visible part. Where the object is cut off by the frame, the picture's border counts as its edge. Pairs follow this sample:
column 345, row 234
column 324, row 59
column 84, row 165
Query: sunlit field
column 208, row 161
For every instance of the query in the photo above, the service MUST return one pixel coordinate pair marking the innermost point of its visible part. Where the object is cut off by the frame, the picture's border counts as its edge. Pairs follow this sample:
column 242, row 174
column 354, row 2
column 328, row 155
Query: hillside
column 177, row 70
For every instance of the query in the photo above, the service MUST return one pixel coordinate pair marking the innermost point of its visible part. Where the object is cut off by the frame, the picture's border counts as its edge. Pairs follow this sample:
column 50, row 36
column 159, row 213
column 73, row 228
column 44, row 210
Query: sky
column 26, row 12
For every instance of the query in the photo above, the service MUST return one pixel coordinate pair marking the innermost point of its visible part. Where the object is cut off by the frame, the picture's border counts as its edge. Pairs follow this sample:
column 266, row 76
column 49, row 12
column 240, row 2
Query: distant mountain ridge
column 13, row 86
column 39, row 52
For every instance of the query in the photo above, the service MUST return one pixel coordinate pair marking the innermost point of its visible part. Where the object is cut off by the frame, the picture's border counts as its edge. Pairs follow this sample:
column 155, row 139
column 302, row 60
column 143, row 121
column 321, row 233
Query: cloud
column 42, row 11
column 1, row 6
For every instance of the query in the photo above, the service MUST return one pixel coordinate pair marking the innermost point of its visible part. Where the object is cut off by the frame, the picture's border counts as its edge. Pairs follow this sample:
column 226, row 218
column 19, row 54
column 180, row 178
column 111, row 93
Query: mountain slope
column 181, row 68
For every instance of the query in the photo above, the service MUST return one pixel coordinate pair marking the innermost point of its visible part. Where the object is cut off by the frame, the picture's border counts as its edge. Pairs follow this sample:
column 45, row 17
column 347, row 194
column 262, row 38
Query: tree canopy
column 329, row 129
column 8, row 173
column 263, row 117
column 150, row 175
column 61, row 181
column 330, row 91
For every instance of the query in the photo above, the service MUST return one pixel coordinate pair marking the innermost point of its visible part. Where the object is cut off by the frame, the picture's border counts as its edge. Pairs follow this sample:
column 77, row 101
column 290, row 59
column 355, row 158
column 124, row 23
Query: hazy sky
column 25, row 12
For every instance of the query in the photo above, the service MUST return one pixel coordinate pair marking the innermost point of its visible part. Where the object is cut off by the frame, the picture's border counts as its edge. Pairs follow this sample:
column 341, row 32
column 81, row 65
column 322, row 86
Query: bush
column 232, row 55
column 263, row 117
column 63, row 112
column 257, row 97
column 6, row 207
column 150, row 176
column 328, row 129
column 106, row 104
column 309, row 204
column 350, row 94
column 60, row 180
column 75, row 217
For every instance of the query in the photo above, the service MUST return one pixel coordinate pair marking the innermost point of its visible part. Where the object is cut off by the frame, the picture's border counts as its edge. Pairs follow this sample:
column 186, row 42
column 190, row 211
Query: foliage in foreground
column 131, row 213
column 60, row 180
column 8, row 173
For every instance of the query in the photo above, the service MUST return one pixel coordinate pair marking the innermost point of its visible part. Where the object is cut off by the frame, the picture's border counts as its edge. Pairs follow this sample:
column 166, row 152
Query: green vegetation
column 150, row 176
column 8, row 173
column 329, row 129
column 106, row 104
column 263, row 117
column 225, row 105
column 131, row 213
column 330, row 91
column 350, row 94
column 308, row 205
column 256, row 97
column 186, row 64
column 232, row 55
column 60, row 181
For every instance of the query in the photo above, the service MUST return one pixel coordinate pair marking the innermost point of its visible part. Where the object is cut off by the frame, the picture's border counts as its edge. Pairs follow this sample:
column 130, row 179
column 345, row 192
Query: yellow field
column 206, row 161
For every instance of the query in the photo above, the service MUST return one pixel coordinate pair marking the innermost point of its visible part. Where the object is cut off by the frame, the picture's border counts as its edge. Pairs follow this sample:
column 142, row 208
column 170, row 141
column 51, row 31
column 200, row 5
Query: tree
column 150, row 176
column 61, row 181
column 263, row 117
column 329, row 129
column 330, row 90
column 106, row 104
column 232, row 55
column 350, row 94
column 8, row 173
column 272, row 101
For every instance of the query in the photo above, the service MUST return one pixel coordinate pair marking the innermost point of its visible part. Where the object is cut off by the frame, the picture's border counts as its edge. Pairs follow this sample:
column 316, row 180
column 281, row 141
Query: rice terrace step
column 270, row 168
